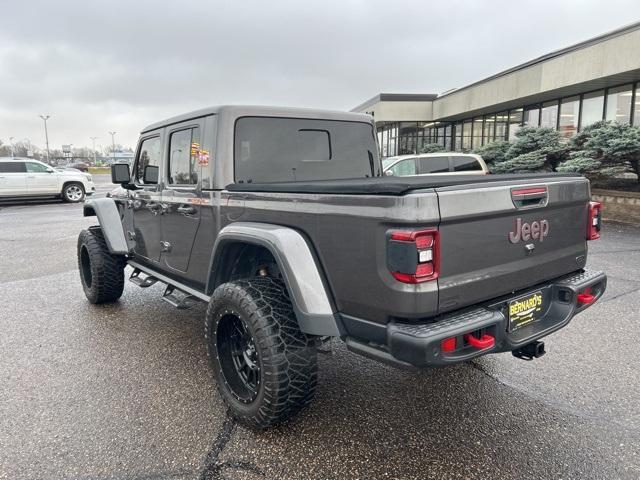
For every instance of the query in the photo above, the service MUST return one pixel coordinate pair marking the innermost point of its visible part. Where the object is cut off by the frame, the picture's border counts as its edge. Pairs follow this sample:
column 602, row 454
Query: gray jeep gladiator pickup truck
column 281, row 220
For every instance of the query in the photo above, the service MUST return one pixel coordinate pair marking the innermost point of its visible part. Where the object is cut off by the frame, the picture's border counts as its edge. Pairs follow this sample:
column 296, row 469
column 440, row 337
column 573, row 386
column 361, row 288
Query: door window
column 434, row 164
column 184, row 150
column 149, row 156
column 466, row 164
column 12, row 167
column 33, row 167
column 404, row 167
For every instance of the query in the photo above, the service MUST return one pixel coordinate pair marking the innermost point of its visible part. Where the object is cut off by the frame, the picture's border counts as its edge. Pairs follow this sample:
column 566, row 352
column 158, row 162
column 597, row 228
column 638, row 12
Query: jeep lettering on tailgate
column 536, row 230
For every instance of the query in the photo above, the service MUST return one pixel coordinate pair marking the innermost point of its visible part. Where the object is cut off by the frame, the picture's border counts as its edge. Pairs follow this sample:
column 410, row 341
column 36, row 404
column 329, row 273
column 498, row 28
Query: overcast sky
column 119, row 65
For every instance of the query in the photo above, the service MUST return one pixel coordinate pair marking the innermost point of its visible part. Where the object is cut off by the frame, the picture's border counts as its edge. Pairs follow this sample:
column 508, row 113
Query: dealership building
column 566, row 90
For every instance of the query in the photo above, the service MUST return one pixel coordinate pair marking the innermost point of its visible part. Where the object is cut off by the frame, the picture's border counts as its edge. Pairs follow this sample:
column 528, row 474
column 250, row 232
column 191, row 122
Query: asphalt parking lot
column 124, row 391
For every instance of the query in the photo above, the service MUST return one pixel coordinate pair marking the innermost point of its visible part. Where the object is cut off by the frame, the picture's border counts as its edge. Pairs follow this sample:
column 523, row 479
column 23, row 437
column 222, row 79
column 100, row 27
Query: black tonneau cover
column 386, row 185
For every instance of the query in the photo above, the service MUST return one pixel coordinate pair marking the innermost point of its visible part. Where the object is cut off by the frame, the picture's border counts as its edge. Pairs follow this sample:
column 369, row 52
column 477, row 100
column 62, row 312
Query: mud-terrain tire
column 259, row 311
column 101, row 273
column 73, row 192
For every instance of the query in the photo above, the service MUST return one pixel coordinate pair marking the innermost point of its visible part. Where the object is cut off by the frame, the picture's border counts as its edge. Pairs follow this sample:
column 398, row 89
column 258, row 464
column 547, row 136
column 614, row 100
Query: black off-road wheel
column 101, row 273
column 265, row 367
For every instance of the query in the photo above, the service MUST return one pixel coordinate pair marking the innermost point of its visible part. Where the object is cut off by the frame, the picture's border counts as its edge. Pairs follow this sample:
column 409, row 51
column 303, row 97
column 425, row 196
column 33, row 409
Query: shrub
column 535, row 161
column 544, row 142
column 494, row 152
column 605, row 149
column 432, row 148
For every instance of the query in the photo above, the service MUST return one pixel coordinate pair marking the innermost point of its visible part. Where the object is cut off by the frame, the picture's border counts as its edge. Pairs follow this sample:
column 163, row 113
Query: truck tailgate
column 503, row 237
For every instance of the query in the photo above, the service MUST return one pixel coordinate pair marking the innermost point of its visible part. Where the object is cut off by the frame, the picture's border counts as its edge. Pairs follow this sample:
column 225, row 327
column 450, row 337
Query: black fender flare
column 298, row 265
column 109, row 218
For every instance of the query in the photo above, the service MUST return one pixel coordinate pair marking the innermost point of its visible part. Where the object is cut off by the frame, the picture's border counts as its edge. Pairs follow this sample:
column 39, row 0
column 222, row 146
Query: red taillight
column 424, row 269
column 413, row 255
column 595, row 220
column 448, row 344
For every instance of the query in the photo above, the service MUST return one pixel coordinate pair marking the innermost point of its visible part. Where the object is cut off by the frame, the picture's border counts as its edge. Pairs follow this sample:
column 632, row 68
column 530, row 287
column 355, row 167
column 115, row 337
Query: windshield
column 271, row 149
column 387, row 162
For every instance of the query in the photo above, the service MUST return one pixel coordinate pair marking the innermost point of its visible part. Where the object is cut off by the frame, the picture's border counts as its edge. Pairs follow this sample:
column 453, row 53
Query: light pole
column 46, row 134
column 13, row 153
column 93, row 139
column 113, row 146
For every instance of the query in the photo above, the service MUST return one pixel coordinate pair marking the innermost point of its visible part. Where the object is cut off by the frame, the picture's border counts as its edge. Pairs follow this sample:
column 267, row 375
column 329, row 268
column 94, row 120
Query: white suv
column 25, row 177
column 445, row 163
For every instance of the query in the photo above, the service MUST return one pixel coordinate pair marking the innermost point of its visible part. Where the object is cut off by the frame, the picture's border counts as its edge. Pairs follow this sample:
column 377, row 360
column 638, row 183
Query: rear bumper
column 420, row 344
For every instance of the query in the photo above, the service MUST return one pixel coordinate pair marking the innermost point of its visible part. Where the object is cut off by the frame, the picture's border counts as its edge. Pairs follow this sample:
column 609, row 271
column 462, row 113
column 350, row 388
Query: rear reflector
column 595, row 220
column 448, row 344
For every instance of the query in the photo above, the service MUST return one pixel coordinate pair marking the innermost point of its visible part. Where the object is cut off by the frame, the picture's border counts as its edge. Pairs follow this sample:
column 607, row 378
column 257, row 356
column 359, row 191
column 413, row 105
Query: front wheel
column 73, row 192
column 101, row 273
column 264, row 366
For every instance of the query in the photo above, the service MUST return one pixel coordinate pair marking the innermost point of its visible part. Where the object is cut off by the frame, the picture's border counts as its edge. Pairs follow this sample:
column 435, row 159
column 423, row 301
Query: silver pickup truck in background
column 282, row 220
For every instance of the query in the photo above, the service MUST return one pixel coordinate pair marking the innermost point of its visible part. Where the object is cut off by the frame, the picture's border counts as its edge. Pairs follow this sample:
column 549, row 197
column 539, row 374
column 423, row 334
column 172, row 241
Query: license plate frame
column 526, row 310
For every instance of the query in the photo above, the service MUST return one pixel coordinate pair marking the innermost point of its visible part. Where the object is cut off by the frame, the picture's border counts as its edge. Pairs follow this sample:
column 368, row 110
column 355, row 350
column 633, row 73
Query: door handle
column 186, row 210
column 157, row 208
column 31, row 176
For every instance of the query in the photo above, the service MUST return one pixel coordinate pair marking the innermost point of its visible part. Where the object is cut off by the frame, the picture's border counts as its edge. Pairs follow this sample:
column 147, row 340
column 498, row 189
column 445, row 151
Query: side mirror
column 120, row 173
column 50, row 170
column 388, row 173
column 151, row 174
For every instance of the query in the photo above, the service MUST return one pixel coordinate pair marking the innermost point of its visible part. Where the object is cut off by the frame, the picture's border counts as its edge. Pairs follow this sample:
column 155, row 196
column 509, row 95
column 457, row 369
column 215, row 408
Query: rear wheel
column 73, row 192
column 101, row 273
column 264, row 366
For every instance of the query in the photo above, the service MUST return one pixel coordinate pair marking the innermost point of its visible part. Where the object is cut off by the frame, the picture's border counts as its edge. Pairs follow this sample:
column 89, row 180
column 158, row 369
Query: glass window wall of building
column 532, row 116
column 549, row 114
column 569, row 115
column 515, row 122
column 489, row 129
column 636, row 107
column 466, row 135
column 619, row 104
column 502, row 120
column 592, row 108
column 476, row 138
column 457, row 145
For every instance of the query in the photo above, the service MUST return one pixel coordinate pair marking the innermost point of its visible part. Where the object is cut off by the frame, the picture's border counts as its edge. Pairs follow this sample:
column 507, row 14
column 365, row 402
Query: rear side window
column 184, row 147
column 434, row 164
column 292, row 149
column 466, row 164
column 149, row 156
column 33, row 167
column 12, row 167
column 404, row 167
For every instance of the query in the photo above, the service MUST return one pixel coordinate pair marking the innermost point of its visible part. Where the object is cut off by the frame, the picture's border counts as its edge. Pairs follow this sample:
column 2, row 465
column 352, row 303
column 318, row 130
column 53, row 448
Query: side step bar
column 142, row 282
column 175, row 294
column 177, row 298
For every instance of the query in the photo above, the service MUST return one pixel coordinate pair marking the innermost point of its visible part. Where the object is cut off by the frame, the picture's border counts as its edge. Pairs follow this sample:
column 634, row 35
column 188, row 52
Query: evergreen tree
column 535, row 149
column 432, row 148
column 605, row 149
column 493, row 153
